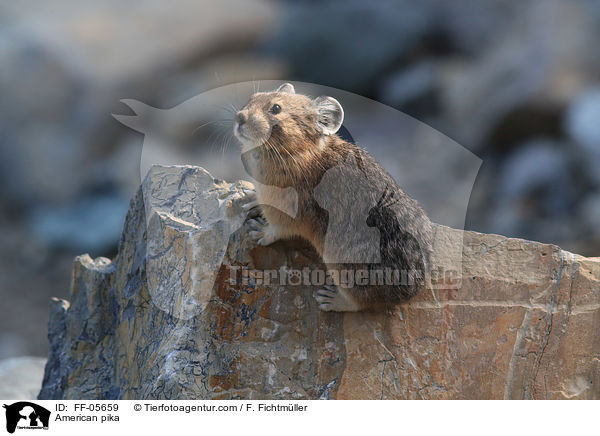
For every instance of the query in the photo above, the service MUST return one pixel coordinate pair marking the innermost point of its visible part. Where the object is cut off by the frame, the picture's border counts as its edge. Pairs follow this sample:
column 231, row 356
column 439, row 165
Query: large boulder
column 173, row 316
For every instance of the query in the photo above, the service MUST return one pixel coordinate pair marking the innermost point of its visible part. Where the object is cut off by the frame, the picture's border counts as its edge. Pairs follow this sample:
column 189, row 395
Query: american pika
column 348, row 207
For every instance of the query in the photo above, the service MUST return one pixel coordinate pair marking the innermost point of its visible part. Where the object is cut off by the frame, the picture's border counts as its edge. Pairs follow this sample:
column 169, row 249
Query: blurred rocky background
column 517, row 83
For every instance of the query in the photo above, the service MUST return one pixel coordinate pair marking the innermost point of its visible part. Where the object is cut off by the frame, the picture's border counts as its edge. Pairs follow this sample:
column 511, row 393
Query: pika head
column 284, row 118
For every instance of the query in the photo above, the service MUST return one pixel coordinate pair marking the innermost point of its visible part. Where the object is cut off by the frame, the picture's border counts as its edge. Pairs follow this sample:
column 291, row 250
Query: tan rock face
column 166, row 320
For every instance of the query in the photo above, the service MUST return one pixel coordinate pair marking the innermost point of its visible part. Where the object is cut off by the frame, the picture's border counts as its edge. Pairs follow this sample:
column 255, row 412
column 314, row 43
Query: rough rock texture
column 150, row 324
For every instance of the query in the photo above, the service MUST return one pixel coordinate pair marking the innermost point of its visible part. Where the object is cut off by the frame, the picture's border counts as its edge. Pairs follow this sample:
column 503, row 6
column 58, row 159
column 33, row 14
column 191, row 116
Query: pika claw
column 326, row 294
column 256, row 234
column 330, row 299
column 252, row 209
column 259, row 231
column 250, row 205
column 326, row 297
column 258, row 224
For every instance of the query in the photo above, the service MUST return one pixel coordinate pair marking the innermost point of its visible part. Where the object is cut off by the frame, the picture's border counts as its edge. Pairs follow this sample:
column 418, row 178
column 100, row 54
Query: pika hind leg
column 261, row 231
column 334, row 299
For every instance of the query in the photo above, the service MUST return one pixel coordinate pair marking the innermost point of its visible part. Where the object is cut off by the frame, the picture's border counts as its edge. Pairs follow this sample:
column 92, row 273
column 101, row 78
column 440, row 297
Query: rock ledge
column 164, row 321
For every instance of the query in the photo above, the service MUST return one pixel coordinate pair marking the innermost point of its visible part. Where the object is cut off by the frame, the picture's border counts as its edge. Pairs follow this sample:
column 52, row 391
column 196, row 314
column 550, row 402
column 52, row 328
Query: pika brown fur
column 289, row 141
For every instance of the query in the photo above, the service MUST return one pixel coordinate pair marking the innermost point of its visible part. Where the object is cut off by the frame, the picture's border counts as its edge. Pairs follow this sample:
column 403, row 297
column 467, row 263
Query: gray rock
column 534, row 181
column 583, row 125
column 590, row 214
column 534, row 165
column 409, row 84
column 91, row 224
column 347, row 44
column 582, row 121
column 528, row 65
column 21, row 377
column 472, row 25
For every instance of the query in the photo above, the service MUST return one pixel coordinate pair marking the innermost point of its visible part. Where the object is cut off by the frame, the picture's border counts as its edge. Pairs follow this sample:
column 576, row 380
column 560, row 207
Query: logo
column 26, row 415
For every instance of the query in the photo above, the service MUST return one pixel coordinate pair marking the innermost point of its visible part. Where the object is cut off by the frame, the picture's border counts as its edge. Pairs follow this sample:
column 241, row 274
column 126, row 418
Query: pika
column 348, row 207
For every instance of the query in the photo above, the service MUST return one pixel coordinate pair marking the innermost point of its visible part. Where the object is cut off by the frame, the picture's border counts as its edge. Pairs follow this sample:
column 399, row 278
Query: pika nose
column 241, row 118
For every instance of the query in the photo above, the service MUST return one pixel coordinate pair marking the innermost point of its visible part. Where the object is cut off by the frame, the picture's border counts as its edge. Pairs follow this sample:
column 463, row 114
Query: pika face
column 282, row 118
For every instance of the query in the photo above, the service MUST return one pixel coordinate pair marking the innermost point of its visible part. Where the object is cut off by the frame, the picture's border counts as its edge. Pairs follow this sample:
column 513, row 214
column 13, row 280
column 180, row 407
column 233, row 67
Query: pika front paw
column 261, row 232
column 331, row 299
column 251, row 207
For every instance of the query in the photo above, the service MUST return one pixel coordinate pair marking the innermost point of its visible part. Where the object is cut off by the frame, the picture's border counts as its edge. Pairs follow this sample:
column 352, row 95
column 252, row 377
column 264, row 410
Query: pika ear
column 330, row 114
column 286, row 87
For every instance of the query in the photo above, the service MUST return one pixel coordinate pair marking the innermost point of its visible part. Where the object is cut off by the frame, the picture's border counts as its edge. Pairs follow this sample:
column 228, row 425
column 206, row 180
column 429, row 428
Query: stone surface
column 21, row 377
column 150, row 324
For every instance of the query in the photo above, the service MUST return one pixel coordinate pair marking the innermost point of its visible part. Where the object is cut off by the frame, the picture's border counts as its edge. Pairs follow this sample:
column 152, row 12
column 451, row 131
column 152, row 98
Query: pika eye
column 275, row 109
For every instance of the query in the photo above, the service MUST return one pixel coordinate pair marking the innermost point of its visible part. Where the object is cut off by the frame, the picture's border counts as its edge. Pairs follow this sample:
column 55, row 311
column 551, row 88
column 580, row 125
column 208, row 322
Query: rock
column 590, row 213
column 472, row 25
column 21, row 377
column 582, row 125
column 31, row 275
column 536, row 192
column 582, row 120
column 323, row 42
column 405, row 86
column 589, row 217
column 535, row 165
column 529, row 66
column 151, row 324
column 92, row 224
